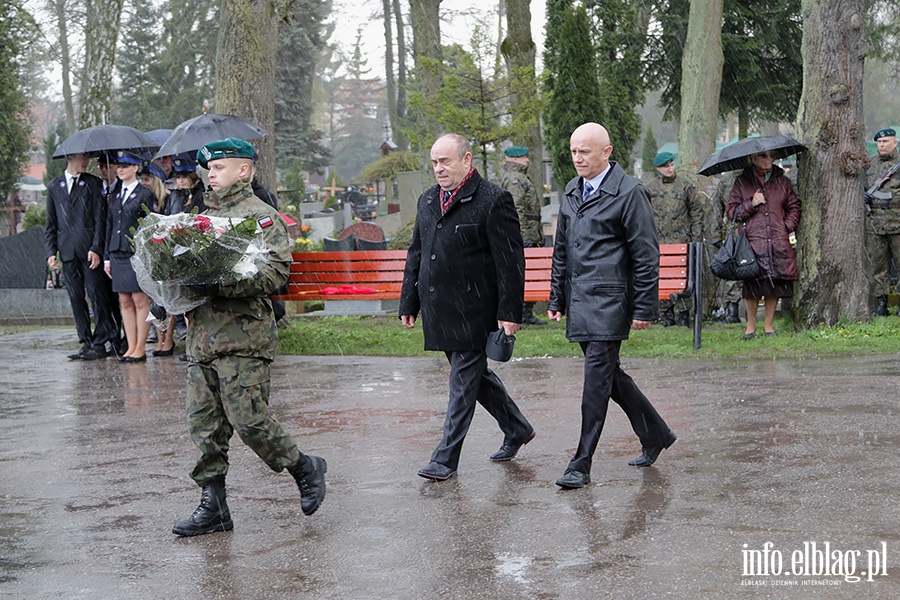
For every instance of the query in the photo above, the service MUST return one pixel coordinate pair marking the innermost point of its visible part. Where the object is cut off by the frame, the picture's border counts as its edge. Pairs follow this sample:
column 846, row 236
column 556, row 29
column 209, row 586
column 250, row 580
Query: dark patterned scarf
column 447, row 198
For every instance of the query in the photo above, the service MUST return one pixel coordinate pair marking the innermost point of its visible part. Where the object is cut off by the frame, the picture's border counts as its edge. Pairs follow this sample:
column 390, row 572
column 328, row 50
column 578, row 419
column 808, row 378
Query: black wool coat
column 76, row 222
column 465, row 270
column 605, row 259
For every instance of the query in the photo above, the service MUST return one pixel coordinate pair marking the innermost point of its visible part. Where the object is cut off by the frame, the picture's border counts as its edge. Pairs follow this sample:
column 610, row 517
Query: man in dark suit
column 76, row 226
column 465, row 272
column 605, row 279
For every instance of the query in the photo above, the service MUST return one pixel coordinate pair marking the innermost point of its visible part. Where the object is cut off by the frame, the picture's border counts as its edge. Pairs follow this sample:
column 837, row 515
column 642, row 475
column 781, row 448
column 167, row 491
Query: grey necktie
column 586, row 191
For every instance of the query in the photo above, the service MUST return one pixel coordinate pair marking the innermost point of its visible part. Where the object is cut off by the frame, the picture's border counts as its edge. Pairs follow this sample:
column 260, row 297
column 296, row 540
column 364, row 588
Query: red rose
column 202, row 223
column 159, row 237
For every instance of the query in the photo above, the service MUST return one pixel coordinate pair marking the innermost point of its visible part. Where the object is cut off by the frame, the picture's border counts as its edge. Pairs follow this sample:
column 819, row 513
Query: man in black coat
column 605, row 279
column 76, row 226
column 465, row 272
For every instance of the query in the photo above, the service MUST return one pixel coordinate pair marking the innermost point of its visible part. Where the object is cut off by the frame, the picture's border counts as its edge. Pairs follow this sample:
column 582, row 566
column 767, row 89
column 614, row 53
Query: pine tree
column 16, row 29
column 571, row 87
column 649, row 151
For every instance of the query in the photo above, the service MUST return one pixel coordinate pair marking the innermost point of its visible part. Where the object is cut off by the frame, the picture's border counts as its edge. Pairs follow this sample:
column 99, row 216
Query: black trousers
column 79, row 278
column 605, row 379
column 472, row 381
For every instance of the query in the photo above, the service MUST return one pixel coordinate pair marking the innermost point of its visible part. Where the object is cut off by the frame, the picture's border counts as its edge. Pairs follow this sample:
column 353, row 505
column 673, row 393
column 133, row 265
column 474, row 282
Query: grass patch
column 385, row 336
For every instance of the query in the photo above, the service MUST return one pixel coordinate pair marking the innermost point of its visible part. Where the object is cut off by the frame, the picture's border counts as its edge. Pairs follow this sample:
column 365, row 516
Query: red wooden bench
column 378, row 275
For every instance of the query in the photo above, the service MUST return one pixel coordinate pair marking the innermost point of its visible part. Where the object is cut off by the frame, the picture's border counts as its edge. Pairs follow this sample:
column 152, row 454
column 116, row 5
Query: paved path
column 94, row 460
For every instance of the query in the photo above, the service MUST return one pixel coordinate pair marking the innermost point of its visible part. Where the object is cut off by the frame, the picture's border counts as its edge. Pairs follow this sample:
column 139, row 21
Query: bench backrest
column 339, row 275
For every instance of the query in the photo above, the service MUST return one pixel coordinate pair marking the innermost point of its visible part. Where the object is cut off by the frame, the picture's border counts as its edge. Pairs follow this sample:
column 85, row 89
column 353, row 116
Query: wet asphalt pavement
column 94, row 462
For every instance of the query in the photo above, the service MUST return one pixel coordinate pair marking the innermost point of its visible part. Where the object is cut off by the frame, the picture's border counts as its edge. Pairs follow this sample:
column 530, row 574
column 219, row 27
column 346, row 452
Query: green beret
column 516, row 151
column 227, row 148
column 663, row 158
column 886, row 132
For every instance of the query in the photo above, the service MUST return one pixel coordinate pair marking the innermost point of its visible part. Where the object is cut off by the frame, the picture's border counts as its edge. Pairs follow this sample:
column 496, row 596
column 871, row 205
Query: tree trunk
column 701, row 81
column 519, row 52
column 391, row 82
column 102, row 31
column 399, row 138
column 834, row 281
column 66, row 64
column 426, row 25
column 245, row 72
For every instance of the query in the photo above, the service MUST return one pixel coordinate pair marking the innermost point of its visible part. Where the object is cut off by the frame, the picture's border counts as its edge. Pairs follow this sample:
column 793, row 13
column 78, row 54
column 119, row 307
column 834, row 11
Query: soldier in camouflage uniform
column 514, row 179
column 231, row 343
column 678, row 217
column 883, row 221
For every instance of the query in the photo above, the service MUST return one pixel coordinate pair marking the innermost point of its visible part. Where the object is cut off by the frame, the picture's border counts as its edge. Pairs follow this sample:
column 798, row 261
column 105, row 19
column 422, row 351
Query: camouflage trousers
column 231, row 394
column 880, row 250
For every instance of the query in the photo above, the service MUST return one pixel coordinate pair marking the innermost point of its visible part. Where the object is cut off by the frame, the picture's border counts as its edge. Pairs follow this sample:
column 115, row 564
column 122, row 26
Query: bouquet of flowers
column 172, row 253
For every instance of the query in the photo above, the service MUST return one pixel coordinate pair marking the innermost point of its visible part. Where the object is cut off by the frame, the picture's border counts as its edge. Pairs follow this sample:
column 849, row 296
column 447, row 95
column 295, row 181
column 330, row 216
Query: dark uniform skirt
column 124, row 279
column 768, row 288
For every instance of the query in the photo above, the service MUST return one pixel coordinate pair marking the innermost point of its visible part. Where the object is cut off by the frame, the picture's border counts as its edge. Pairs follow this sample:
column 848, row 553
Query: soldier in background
column 231, row 343
column 514, row 179
column 678, row 217
column 883, row 219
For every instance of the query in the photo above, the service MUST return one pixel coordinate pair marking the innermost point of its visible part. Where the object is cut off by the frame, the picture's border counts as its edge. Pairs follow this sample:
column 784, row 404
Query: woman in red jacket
column 764, row 204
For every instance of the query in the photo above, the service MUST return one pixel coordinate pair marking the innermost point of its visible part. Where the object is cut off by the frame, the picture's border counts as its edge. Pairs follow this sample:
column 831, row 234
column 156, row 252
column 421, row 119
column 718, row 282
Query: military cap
column 184, row 163
column 227, row 148
column 128, row 157
column 151, row 168
column 663, row 158
column 886, row 132
column 516, row 151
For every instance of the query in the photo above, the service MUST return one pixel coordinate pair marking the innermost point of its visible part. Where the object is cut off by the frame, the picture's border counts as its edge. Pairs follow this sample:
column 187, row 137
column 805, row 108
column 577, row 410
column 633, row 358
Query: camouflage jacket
column 239, row 320
column 884, row 220
column 676, row 210
column 514, row 179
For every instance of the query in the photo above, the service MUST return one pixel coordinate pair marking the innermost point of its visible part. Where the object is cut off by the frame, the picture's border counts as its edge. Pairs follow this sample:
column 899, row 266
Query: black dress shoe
column 136, row 359
column 437, row 471
column 509, row 451
column 168, row 352
column 530, row 319
column 572, row 480
column 80, row 354
column 649, row 455
column 94, row 354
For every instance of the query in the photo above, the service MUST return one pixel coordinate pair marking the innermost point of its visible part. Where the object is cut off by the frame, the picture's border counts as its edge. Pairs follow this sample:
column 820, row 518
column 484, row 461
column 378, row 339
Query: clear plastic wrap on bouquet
column 172, row 253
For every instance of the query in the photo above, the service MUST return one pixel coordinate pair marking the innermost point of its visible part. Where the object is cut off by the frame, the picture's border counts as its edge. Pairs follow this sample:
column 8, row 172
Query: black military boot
column 212, row 514
column 684, row 319
column 528, row 317
column 731, row 313
column 881, row 306
column 668, row 317
column 309, row 472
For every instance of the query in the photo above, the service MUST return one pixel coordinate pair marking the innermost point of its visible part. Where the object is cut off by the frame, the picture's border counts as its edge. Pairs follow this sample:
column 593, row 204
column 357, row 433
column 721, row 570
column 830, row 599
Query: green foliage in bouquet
column 198, row 251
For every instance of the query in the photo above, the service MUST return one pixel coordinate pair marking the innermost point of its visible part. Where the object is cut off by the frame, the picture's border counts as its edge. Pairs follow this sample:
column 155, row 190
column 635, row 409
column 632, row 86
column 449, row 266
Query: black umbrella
column 103, row 138
column 734, row 157
column 159, row 135
column 195, row 133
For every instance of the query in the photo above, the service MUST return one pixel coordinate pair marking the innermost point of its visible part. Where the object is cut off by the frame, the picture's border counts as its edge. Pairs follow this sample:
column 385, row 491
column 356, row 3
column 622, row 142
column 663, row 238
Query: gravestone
column 22, row 261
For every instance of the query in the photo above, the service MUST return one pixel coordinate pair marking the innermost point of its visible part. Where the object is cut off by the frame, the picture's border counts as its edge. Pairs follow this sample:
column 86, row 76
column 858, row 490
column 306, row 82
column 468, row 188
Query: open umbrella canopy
column 159, row 135
column 195, row 133
column 103, row 138
column 734, row 157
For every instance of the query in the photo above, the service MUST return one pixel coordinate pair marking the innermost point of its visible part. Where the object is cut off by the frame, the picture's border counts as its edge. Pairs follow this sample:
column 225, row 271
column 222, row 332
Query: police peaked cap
column 663, row 158
column 227, row 148
column 184, row 163
column 151, row 168
column 886, row 132
column 516, row 151
column 128, row 157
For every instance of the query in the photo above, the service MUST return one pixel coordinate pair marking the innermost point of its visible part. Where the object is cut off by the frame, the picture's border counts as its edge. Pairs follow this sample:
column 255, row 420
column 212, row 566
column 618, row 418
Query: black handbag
column 735, row 259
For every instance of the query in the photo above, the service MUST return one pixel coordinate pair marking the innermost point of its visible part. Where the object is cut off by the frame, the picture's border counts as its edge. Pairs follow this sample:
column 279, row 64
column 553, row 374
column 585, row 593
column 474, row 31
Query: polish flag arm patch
column 266, row 222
